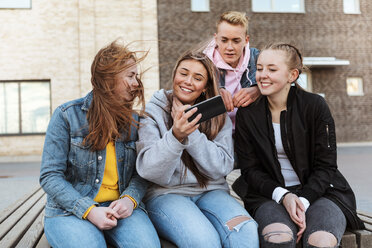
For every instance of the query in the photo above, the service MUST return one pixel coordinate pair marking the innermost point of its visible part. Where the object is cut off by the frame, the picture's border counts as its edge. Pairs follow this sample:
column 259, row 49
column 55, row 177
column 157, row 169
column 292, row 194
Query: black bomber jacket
column 309, row 140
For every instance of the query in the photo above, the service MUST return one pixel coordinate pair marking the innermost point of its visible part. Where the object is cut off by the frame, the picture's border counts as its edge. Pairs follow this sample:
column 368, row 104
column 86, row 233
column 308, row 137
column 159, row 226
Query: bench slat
column 43, row 242
column 33, row 234
column 8, row 211
column 369, row 215
column 20, row 222
column 233, row 176
column 230, row 180
column 365, row 219
column 364, row 238
column 349, row 240
column 368, row 227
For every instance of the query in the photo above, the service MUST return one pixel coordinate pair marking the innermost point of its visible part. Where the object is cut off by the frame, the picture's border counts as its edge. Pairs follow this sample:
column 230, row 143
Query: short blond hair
column 234, row 18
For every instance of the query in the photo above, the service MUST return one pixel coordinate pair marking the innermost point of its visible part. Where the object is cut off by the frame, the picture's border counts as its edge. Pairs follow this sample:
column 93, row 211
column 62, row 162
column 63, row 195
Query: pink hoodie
column 233, row 75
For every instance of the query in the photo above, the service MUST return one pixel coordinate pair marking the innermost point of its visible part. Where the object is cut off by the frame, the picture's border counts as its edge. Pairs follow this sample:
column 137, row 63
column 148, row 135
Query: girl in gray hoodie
column 188, row 200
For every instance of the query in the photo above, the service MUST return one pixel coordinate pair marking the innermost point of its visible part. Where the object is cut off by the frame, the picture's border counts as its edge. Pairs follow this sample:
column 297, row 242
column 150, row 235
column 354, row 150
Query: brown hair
column 108, row 114
column 294, row 57
column 234, row 18
column 211, row 127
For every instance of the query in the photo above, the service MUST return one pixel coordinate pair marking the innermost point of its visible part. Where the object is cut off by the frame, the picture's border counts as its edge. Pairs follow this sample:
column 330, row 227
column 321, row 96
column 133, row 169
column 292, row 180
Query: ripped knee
column 277, row 233
column 322, row 239
column 237, row 221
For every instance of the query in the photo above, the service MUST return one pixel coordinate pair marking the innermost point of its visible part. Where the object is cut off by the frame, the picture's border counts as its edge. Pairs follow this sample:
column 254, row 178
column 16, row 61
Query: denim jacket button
column 99, row 158
column 97, row 180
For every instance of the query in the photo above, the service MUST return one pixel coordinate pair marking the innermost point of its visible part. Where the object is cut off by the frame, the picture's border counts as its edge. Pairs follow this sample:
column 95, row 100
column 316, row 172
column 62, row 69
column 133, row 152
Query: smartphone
column 209, row 108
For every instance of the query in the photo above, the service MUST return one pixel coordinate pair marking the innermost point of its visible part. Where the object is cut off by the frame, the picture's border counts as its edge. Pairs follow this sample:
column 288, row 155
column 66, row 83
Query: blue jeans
column 203, row 220
column 70, row 231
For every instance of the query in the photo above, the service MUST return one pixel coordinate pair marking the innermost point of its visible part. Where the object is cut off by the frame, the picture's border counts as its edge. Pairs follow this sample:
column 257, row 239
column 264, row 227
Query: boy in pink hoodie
column 230, row 52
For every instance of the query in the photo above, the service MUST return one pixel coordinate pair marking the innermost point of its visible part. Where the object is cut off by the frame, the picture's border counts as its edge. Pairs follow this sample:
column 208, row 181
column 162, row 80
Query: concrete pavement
column 355, row 163
column 16, row 180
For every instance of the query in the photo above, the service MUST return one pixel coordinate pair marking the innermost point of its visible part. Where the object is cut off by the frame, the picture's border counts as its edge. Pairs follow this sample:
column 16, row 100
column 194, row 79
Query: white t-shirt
column 290, row 176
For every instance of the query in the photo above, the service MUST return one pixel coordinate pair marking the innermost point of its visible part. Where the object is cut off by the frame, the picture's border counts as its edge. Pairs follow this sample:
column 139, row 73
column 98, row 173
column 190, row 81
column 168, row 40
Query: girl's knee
column 237, row 222
column 242, row 232
column 322, row 239
column 243, row 224
column 277, row 233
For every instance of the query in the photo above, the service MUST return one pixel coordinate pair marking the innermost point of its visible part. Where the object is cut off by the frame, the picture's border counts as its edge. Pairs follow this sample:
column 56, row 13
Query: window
column 304, row 80
column 200, row 5
column 24, row 107
column 351, row 7
column 15, row 4
column 354, row 86
column 285, row 6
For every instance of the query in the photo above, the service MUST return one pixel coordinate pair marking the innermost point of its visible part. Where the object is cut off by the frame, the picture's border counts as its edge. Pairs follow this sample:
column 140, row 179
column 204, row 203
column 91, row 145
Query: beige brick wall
column 58, row 40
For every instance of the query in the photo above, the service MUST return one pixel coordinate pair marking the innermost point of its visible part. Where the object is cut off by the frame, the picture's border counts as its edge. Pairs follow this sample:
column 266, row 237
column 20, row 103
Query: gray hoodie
column 159, row 154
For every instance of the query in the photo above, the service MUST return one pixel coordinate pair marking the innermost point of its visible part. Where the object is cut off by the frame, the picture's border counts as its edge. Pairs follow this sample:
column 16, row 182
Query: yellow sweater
column 109, row 190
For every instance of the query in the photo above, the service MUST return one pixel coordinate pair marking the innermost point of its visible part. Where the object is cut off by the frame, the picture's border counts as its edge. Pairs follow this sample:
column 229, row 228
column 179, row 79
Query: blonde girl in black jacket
column 286, row 146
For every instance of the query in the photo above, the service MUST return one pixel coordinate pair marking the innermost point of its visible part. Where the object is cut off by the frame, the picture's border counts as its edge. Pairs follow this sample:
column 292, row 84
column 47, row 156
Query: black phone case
column 209, row 108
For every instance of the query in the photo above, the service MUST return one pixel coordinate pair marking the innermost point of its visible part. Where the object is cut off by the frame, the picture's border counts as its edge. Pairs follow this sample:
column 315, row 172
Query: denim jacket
column 71, row 174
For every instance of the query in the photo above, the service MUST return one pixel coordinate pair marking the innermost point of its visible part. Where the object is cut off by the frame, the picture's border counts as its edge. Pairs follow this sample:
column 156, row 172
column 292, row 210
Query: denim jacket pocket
column 130, row 153
column 81, row 159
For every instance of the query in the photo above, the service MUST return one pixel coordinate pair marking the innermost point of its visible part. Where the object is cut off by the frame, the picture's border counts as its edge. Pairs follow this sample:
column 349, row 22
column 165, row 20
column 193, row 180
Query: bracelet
column 282, row 198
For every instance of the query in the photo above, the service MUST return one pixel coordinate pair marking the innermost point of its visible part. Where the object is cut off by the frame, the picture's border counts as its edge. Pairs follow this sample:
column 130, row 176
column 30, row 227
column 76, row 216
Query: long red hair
column 108, row 115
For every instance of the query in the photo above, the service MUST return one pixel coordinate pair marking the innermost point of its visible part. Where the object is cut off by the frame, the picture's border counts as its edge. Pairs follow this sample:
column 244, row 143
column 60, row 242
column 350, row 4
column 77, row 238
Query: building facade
column 46, row 50
column 335, row 38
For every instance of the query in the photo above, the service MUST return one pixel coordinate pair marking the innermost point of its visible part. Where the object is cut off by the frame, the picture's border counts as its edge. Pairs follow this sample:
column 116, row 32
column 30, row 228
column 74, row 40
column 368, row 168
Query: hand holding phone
column 209, row 108
column 182, row 127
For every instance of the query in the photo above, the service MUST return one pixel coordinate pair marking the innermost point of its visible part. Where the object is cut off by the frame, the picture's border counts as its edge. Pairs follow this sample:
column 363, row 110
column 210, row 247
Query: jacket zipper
column 286, row 133
column 327, row 130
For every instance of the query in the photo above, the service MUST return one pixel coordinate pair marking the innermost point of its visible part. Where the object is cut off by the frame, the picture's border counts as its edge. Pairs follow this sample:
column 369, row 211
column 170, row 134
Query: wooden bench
column 21, row 224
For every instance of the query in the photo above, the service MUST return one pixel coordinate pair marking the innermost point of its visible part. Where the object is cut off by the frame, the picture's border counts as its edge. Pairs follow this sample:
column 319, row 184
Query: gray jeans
column 322, row 215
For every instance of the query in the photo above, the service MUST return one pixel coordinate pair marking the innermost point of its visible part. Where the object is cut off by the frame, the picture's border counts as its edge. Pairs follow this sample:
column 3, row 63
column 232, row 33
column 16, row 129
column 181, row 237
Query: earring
column 203, row 93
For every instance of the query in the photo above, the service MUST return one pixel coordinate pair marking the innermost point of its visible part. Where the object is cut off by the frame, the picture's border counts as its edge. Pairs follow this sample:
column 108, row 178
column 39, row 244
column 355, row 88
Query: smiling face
column 273, row 75
column 190, row 80
column 126, row 82
column 231, row 40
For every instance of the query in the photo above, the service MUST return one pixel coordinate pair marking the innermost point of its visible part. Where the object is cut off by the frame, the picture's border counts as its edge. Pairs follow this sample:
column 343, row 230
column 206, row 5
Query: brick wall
column 58, row 40
column 324, row 30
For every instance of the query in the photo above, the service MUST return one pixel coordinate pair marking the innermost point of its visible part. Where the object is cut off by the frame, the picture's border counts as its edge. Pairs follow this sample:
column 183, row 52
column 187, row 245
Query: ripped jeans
column 212, row 219
column 322, row 215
